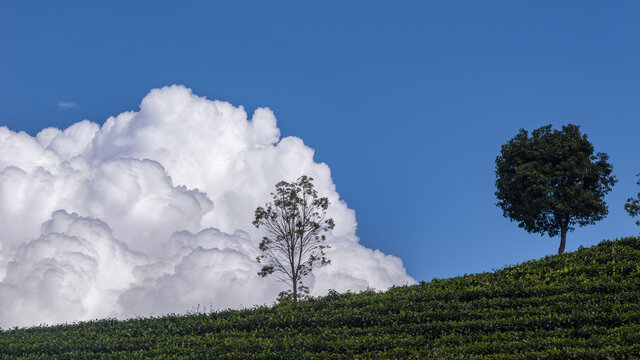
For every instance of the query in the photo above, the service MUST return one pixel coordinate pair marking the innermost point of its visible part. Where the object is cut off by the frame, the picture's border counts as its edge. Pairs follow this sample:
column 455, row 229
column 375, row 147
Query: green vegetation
column 632, row 206
column 580, row 305
column 551, row 181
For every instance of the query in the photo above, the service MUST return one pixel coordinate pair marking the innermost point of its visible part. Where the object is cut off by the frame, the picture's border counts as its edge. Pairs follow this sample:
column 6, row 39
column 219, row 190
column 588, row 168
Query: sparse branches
column 294, row 226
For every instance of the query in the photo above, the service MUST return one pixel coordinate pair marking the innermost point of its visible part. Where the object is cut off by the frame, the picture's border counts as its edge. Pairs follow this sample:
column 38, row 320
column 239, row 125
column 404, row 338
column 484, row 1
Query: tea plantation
column 580, row 305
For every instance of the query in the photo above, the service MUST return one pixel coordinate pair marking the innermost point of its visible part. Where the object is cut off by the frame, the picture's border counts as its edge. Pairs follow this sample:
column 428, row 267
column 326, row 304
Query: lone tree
column 550, row 181
column 294, row 225
column 633, row 205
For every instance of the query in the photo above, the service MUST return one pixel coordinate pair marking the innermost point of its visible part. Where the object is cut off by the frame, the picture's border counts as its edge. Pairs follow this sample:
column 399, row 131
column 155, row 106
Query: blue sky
column 407, row 102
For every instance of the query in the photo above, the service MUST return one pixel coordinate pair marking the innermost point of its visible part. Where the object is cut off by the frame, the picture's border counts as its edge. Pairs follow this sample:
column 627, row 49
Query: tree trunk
column 295, row 291
column 563, row 238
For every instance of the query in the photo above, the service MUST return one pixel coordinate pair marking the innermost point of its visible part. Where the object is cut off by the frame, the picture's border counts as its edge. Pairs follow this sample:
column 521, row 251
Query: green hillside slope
column 580, row 305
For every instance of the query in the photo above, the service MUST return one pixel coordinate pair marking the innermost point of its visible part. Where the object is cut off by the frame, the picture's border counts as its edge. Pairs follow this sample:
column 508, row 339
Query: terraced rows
column 582, row 305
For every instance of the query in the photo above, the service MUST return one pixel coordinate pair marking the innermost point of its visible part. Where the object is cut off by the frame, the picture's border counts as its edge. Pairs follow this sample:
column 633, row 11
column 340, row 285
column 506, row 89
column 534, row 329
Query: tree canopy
column 294, row 225
column 551, row 181
column 633, row 205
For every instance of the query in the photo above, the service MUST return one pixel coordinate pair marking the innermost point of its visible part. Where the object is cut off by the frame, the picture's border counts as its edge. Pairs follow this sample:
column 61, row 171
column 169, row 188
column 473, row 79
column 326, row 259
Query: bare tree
column 294, row 226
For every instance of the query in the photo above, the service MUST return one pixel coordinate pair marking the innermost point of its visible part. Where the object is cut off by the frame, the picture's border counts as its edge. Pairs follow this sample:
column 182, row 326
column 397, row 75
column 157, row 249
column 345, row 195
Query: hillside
column 582, row 305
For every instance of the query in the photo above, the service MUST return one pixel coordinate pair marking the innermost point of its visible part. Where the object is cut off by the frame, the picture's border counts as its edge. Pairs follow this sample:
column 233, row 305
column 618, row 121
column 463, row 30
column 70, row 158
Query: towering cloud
column 151, row 213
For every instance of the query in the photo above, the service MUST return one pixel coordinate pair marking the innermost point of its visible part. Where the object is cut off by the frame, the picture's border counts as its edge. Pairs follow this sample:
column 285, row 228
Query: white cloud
column 66, row 105
column 75, row 270
column 151, row 213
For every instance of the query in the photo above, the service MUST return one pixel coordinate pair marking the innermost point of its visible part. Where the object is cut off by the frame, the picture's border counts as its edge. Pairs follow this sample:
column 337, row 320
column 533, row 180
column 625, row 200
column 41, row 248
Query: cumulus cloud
column 75, row 270
column 151, row 213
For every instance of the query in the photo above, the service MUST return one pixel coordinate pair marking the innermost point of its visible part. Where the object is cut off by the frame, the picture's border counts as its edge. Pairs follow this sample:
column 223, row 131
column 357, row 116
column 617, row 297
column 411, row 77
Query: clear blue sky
column 407, row 102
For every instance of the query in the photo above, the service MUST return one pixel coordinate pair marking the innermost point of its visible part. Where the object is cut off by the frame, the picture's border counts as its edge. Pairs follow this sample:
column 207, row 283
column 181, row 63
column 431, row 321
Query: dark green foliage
column 294, row 225
column 633, row 205
column 551, row 181
column 580, row 305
